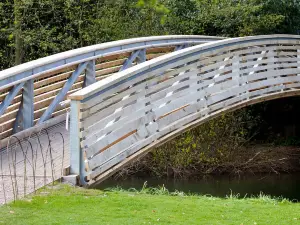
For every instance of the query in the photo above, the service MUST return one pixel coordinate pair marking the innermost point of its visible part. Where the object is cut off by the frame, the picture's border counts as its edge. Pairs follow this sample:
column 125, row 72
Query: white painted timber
column 147, row 103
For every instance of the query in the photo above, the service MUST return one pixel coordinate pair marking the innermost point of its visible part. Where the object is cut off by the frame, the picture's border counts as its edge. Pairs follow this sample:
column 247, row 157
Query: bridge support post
column 75, row 140
column 76, row 153
column 90, row 75
column 27, row 110
column 142, row 56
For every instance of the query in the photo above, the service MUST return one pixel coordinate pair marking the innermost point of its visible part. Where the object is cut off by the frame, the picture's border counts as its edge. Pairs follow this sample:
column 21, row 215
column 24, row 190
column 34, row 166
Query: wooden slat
column 5, row 134
column 113, row 57
column 108, row 71
column 8, row 116
column 110, row 64
column 57, row 72
column 160, row 50
column 53, row 79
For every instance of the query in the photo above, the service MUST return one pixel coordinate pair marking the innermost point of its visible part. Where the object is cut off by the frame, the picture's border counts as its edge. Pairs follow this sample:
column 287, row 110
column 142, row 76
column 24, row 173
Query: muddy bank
column 246, row 160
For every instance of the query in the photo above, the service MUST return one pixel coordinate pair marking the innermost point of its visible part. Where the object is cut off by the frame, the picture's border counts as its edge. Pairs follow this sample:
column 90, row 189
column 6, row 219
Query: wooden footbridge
column 124, row 98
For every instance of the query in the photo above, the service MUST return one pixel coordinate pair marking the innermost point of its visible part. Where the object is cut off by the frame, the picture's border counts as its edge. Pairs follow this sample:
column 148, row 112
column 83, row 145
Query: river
column 284, row 185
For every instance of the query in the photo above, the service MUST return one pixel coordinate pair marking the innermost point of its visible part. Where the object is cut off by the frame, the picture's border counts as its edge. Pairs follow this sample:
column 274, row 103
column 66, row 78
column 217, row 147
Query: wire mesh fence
column 33, row 162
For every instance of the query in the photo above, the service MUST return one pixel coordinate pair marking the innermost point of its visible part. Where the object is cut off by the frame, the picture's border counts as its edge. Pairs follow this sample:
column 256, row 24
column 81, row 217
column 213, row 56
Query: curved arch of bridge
column 122, row 117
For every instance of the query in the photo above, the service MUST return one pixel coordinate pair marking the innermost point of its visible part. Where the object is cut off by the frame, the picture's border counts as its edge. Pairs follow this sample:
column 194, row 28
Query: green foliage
column 156, row 5
column 205, row 147
column 48, row 27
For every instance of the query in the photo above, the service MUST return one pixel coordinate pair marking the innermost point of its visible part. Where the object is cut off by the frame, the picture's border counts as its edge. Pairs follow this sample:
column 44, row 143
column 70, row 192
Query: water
column 286, row 186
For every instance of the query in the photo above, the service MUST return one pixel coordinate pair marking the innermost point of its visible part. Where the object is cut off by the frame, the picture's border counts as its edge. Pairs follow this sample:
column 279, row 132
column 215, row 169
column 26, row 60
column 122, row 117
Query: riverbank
column 283, row 185
column 244, row 160
column 69, row 205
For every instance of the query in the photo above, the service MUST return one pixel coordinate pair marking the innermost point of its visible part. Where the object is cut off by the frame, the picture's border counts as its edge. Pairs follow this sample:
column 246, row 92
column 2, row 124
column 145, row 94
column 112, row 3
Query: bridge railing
column 33, row 92
column 124, row 115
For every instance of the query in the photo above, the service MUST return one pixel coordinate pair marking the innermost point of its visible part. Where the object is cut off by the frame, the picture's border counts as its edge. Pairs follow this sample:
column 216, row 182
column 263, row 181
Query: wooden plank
column 103, row 111
column 268, row 74
column 161, row 94
column 177, row 114
column 148, row 83
column 53, row 79
column 153, row 56
column 160, row 50
column 117, row 141
column 5, row 134
column 110, row 64
column 107, row 71
column 122, row 156
column 7, row 125
column 56, row 86
column 39, row 113
column 17, row 99
column 118, row 98
column 98, row 143
column 8, row 116
column 56, row 72
column 112, row 151
column 113, row 120
column 51, row 93
column 113, row 56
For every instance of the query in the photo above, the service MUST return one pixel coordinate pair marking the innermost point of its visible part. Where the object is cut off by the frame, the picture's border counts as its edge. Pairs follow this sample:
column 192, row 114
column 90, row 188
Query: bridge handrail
column 33, row 92
column 116, row 117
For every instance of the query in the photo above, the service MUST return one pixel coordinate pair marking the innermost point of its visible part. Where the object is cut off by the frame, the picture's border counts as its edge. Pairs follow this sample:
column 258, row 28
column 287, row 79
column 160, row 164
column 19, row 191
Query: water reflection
column 287, row 186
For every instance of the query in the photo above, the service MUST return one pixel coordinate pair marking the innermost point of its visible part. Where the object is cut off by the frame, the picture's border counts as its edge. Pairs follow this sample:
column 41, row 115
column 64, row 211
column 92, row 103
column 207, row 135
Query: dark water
column 286, row 186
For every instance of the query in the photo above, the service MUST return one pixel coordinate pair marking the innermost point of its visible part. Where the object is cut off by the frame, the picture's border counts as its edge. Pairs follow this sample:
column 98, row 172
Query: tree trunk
column 18, row 31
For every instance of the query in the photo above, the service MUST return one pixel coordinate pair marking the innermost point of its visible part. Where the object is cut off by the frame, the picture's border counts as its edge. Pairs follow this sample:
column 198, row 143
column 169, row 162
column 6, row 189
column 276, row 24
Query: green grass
column 68, row 205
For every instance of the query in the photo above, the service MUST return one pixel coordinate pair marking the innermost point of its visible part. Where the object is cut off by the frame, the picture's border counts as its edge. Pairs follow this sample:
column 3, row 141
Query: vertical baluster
column 298, row 59
column 236, row 71
column 28, row 105
column 90, row 75
column 141, row 57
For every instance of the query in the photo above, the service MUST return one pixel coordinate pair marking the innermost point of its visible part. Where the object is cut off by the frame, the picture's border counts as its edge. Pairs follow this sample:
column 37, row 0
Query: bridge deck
column 22, row 171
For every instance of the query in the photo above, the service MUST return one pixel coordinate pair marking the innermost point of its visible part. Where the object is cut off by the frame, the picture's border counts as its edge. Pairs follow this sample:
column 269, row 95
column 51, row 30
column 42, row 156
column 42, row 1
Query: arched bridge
column 122, row 117
column 136, row 106
column 34, row 104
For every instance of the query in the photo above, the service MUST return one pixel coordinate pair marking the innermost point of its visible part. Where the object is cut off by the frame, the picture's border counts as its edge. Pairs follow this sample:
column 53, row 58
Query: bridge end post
column 76, row 155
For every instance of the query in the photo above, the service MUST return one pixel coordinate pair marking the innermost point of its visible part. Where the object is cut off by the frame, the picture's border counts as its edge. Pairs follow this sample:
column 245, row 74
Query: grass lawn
column 69, row 205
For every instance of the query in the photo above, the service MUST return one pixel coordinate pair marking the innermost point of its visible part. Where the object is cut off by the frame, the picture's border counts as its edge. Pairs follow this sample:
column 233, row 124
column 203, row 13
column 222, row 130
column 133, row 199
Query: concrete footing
column 71, row 179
